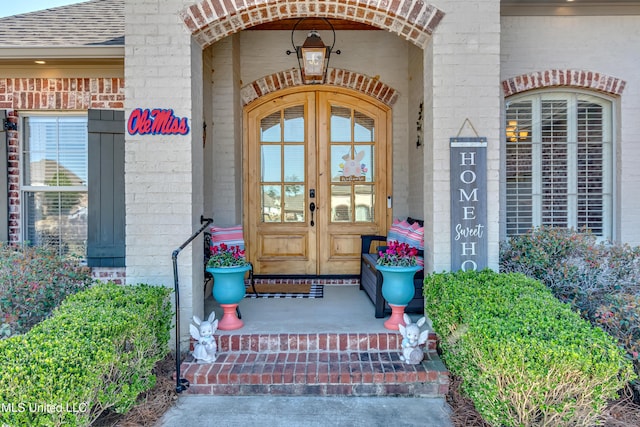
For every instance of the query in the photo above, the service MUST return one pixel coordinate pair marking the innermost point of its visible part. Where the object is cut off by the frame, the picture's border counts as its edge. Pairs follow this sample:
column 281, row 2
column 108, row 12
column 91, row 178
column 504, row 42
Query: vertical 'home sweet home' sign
column 468, row 203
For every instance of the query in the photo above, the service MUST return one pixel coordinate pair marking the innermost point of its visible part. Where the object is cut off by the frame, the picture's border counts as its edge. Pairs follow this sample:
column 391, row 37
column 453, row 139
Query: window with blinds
column 54, row 183
column 558, row 162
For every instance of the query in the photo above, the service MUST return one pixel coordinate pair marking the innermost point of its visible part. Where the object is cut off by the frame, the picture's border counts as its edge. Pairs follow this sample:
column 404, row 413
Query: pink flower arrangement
column 398, row 255
column 227, row 256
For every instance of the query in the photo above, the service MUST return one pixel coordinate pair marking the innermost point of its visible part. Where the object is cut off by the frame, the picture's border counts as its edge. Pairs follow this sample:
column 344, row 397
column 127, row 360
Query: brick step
column 260, row 343
column 316, row 364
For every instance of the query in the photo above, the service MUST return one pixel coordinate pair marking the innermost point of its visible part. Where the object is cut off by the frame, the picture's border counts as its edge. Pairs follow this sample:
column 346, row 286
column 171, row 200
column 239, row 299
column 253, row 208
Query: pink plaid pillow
column 398, row 231
column 232, row 236
column 415, row 236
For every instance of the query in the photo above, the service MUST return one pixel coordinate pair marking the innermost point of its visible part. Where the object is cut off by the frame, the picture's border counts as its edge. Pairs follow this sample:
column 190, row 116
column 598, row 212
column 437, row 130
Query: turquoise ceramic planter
column 228, row 283
column 397, row 284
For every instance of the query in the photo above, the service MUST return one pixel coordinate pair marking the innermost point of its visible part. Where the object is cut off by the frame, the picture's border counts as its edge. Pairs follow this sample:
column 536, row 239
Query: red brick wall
column 109, row 274
column 62, row 94
column 567, row 78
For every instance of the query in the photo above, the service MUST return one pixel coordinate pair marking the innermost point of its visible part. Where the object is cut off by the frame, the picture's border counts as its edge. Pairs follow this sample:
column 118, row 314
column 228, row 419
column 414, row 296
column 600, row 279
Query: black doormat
column 286, row 290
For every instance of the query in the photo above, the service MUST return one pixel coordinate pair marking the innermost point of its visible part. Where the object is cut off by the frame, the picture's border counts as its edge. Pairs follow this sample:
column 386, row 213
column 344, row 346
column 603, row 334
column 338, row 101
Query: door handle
column 312, row 208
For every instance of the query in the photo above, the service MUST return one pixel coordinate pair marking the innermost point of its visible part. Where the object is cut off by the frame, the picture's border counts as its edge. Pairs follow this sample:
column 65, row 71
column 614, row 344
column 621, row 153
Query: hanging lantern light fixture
column 313, row 55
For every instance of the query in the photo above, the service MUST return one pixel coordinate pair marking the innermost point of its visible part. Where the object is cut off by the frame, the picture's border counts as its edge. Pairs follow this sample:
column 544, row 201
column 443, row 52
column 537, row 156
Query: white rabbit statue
column 412, row 353
column 204, row 351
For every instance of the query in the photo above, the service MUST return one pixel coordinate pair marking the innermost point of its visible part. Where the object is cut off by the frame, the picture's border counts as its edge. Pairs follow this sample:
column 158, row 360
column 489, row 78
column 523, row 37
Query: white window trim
column 22, row 114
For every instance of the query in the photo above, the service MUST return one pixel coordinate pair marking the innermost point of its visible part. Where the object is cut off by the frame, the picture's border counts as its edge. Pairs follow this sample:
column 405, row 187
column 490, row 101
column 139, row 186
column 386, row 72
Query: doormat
column 286, row 290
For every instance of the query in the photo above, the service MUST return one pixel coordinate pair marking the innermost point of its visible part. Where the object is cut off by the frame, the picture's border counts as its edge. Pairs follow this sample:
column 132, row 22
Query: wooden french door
column 316, row 179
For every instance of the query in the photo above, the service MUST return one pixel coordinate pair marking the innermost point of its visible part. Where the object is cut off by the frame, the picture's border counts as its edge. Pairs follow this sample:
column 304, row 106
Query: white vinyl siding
column 54, row 181
column 559, row 162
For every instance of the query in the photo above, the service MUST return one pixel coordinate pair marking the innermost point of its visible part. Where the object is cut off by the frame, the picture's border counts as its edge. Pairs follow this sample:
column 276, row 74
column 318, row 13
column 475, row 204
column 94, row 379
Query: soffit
column 569, row 8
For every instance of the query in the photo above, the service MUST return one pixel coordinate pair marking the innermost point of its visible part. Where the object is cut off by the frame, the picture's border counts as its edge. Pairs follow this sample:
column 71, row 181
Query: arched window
column 559, row 162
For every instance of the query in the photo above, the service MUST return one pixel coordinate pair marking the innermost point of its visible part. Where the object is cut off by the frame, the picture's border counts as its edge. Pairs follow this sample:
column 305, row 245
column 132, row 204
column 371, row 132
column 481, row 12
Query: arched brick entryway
column 213, row 20
column 335, row 77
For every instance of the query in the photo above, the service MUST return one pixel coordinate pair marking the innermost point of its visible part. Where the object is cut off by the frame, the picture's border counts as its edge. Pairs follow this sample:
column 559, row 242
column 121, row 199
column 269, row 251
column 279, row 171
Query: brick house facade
column 450, row 60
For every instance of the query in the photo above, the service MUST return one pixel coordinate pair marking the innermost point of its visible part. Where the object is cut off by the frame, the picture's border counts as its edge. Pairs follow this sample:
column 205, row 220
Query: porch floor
column 343, row 308
column 330, row 346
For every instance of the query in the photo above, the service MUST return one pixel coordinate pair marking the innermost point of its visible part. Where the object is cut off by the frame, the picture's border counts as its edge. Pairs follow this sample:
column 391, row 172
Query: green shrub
column 573, row 264
column 33, row 281
column 524, row 357
column 95, row 353
column 619, row 315
column 601, row 280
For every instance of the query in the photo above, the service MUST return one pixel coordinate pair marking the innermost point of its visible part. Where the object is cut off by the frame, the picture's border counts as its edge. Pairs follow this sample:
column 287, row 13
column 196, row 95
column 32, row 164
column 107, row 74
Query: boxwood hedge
column 524, row 357
column 96, row 352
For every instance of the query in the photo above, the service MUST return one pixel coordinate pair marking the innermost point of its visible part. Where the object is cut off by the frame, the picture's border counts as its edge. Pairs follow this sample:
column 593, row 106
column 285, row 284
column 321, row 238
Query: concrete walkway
column 306, row 411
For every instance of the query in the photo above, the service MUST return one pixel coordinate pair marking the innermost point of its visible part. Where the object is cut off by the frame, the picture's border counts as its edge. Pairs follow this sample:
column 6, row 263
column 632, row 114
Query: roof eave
column 75, row 52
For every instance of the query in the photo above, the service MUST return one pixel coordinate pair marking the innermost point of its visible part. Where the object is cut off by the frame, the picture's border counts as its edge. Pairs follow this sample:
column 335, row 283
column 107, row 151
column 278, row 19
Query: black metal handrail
column 183, row 383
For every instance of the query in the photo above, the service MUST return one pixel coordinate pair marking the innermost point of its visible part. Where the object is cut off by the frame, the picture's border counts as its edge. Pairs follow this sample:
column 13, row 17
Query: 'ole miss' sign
column 156, row 122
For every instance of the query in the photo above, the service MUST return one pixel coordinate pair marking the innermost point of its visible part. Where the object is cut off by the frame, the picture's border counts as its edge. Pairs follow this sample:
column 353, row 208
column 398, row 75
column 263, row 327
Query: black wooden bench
column 371, row 278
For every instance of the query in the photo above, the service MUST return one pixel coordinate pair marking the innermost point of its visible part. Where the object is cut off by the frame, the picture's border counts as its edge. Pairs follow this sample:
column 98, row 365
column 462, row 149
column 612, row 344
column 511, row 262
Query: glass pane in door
column 271, row 202
column 364, row 201
column 270, row 130
column 294, row 124
column 271, row 163
column 339, row 154
column 294, row 163
column 294, row 203
column 341, row 203
column 340, row 124
column 364, row 128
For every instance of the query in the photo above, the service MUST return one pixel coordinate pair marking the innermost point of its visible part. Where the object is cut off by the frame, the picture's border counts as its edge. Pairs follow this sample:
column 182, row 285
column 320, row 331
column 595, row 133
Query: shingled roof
column 87, row 24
